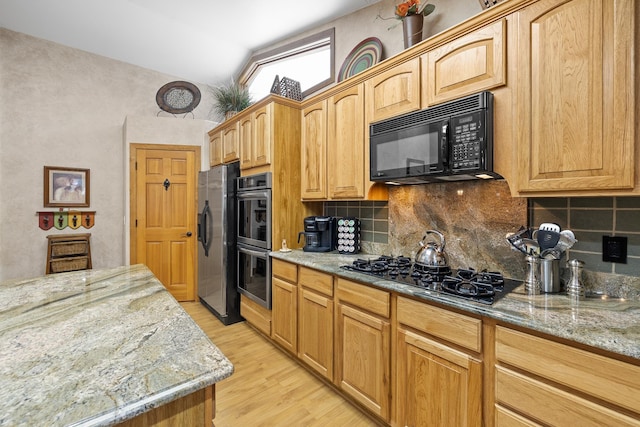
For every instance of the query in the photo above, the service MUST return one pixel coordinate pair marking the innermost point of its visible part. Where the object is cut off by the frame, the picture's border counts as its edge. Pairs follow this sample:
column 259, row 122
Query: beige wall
column 65, row 107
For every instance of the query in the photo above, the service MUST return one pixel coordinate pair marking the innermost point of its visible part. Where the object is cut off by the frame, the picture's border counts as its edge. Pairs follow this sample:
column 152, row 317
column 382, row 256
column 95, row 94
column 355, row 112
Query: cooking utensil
column 549, row 226
column 431, row 254
column 547, row 239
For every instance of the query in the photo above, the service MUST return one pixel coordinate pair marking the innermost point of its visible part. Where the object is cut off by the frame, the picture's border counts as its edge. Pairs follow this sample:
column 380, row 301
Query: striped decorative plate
column 364, row 55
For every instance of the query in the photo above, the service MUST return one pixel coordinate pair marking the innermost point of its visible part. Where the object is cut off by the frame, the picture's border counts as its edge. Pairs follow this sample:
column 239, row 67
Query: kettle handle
column 439, row 234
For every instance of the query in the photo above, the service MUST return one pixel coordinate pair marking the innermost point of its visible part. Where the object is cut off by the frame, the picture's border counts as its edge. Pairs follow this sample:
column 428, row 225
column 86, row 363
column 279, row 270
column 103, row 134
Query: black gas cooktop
column 481, row 286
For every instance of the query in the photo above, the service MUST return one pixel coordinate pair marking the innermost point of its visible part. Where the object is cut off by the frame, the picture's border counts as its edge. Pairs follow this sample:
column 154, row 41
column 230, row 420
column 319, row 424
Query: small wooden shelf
column 68, row 252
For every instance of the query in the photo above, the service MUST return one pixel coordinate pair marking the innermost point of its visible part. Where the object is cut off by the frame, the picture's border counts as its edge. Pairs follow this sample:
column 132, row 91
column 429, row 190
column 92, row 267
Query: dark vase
column 412, row 29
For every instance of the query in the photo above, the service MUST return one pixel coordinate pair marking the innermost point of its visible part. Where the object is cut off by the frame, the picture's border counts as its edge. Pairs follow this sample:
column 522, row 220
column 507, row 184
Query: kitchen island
column 99, row 347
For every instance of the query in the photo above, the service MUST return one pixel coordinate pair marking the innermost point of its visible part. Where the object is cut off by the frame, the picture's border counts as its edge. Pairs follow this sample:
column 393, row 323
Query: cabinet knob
column 187, row 234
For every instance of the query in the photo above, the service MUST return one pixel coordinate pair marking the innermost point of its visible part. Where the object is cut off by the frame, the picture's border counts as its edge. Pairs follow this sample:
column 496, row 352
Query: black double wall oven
column 254, row 237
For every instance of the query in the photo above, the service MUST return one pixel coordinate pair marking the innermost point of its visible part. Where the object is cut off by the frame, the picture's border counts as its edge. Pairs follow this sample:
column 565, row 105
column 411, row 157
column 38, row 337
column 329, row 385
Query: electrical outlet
column 614, row 249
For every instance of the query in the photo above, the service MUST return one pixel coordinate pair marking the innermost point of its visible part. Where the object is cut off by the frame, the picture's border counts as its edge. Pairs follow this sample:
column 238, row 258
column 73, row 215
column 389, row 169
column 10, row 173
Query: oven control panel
column 467, row 139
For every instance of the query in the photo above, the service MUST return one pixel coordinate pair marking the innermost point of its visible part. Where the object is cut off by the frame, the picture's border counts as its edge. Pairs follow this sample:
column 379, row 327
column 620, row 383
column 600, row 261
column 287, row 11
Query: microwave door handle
column 445, row 143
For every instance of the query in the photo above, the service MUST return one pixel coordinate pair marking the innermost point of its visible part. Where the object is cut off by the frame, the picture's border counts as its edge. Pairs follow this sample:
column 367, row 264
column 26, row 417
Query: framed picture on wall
column 66, row 187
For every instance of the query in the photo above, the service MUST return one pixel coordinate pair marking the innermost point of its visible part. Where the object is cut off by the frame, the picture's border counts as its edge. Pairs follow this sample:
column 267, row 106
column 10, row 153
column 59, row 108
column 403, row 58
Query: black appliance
column 481, row 286
column 319, row 234
column 447, row 142
column 254, row 237
column 217, row 236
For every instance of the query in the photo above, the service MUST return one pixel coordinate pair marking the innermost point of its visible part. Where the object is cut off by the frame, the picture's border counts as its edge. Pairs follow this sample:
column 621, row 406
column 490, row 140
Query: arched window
column 309, row 61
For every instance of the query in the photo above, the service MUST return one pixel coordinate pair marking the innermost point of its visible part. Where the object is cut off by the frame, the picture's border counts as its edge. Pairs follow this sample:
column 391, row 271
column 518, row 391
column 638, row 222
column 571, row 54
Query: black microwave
column 452, row 141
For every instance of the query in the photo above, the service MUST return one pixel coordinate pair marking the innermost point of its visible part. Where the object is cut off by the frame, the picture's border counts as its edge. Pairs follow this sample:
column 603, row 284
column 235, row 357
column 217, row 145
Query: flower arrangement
column 412, row 7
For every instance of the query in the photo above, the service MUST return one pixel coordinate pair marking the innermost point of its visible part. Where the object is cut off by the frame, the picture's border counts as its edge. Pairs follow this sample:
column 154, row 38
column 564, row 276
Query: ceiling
column 203, row 41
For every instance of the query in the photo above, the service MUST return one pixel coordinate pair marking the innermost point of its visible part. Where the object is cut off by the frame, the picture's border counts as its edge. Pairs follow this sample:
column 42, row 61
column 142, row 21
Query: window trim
column 255, row 61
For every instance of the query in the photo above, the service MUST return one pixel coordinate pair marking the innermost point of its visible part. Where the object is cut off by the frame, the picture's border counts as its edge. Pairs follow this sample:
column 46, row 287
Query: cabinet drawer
column 316, row 280
column 507, row 418
column 373, row 300
column 553, row 406
column 453, row 327
column 608, row 379
column 256, row 315
column 284, row 270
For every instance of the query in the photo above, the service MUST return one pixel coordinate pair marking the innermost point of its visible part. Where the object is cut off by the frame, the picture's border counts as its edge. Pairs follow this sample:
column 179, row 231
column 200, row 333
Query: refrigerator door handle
column 202, row 229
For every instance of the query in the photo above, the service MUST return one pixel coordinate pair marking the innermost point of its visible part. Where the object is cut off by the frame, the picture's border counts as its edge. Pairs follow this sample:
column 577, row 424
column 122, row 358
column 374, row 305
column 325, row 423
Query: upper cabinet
column 215, row 148
column 256, row 138
column 345, row 147
column 230, row 143
column 466, row 65
column 314, row 151
column 575, row 94
column 393, row 92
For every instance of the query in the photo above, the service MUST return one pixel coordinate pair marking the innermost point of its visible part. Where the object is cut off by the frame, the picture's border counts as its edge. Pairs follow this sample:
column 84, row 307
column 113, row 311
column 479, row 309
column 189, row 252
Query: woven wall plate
column 366, row 53
column 178, row 97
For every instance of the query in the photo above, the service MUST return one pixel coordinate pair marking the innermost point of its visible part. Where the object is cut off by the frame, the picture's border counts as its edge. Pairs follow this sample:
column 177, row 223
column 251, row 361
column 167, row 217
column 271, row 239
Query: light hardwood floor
column 268, row 388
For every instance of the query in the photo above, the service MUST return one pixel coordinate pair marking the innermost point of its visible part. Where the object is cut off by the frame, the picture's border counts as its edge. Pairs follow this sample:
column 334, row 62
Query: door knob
column 187, row 234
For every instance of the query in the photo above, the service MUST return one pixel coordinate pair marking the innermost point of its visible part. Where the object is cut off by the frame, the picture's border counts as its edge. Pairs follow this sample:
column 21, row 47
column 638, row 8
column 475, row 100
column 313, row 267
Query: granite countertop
column 97, row 347
column 612, row 325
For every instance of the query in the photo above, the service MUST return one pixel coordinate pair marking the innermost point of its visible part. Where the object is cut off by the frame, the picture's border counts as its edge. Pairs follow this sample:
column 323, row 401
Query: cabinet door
column 314, row 151
column 262, row 136
column 394, row 92
column 467, row 65
column 230, row 143
column 284, row 312
column 363, row 348
column 345, row 144
column 436, row 385
column 315, row 339
column 215, row 149
column 575, row 97
column 246, row 142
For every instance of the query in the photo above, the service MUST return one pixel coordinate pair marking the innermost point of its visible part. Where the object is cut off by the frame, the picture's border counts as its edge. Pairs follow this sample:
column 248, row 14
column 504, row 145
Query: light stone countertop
column 97, row 347
column 611, row 325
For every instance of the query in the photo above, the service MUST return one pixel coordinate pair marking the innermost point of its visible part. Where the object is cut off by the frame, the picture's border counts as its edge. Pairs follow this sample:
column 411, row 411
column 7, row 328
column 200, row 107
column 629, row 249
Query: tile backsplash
column 591, row 218
column 374, row 222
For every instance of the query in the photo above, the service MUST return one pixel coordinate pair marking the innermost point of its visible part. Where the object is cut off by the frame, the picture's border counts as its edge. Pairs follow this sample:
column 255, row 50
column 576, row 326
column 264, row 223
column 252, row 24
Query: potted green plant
column 230, row 99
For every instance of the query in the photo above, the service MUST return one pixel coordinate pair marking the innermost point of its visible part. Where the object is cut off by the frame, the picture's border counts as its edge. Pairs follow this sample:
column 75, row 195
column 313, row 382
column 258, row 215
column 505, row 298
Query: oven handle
column 266, row 194
column 244, row 250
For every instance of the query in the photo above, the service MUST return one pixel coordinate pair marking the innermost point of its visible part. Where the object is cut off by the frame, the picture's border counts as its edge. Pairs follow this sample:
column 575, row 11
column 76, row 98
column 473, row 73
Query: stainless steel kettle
column 431, row 254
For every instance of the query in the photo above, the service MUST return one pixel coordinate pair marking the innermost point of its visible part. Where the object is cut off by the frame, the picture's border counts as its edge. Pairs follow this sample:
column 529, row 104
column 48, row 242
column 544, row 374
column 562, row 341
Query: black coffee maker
column 319, row 234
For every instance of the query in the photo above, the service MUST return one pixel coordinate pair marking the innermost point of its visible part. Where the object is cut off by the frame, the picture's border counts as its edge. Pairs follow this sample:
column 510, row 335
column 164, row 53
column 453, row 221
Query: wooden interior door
column 163, row 219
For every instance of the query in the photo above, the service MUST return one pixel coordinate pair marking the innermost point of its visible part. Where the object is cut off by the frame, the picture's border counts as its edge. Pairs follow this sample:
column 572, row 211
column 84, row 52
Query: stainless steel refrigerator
column 217, row 269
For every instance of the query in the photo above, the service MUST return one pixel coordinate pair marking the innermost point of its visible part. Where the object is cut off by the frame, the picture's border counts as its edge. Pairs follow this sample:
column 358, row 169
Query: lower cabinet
column 437, row 384
column 362, row 345
column 315, row 320
column 542, row 382
column 284, row 304
column 410, row 363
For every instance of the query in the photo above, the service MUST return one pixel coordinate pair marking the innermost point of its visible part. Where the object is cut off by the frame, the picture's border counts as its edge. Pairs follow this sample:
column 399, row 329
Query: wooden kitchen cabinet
column 345, row 144
column 469, row 64
column 231, row 143
column 315, row 320
column 215, row 148
column 393, row 92
column 363, row 345
column 575, row 97
column 553, row 384
column 437, row 383
column 256, row 138
column 284, row 304
column 246, row 141
column 313, row 178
